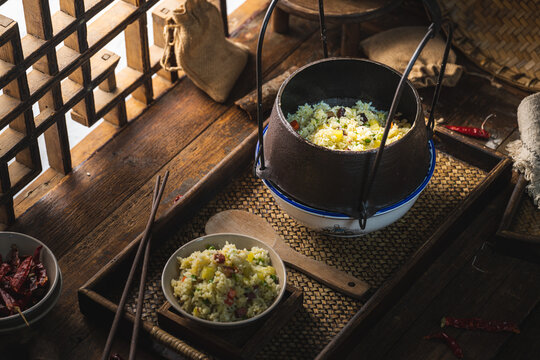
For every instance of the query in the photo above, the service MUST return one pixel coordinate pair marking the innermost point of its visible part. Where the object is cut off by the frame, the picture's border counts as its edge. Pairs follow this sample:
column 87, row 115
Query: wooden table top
column 89, row 216
column 342, row 10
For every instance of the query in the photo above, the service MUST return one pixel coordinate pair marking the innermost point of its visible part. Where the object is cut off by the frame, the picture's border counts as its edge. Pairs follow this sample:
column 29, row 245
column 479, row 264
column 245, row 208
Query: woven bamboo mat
column 374, row 257
column 501, row 36
column 527, row 218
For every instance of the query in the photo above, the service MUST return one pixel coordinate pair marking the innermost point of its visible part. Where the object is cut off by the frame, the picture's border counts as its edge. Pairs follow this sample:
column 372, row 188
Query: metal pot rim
column 282, row 117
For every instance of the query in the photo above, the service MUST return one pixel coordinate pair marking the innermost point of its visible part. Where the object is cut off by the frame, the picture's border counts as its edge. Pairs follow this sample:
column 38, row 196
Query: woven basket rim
column 474, row 50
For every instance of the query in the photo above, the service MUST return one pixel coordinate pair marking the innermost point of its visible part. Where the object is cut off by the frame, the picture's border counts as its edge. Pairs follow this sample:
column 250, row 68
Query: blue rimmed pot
column 343, row 225
column 338, row 191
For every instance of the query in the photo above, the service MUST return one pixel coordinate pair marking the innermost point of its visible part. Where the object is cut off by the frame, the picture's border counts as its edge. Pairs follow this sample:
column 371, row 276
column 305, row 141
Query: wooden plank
column 18, row 172
column 5, row 67
column 476, row 106
column 138, row 57
column 6, row 26
column 39, row 24
column 90, row 4
column 31, row 45
column 527, row 344
column 50, row 178
column 103, row 61
column 160, row 86
column 118, row 115
column 107, row 22
column 134, row 108
column 84, row 111
column 60, row 21
column 19, row 89
column 6, row 209
column 135, row 135
column 7, row 104
column 505, row 290
column 36, row 79
column 43, row 116
column 37, row 16
column 70, row 89
column 9, row 139
column 66, row 57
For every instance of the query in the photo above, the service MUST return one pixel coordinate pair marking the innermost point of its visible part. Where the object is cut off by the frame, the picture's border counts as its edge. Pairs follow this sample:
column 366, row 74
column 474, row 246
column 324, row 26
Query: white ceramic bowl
column 26, row 245
column 172, row 271
column 337, row 224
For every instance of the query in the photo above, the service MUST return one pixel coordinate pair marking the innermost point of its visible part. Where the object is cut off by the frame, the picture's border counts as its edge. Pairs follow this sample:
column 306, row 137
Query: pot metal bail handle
column 431, row 33
column 258, row 73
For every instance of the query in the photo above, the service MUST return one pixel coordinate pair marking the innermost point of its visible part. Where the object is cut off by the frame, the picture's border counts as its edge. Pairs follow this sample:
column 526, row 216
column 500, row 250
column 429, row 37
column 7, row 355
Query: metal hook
column 475, row 258
column 258, row 73
column 486, row 119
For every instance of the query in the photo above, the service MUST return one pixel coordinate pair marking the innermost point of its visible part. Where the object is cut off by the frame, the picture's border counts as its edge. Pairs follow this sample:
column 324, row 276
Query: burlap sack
column 395, row 47
column 197, row 45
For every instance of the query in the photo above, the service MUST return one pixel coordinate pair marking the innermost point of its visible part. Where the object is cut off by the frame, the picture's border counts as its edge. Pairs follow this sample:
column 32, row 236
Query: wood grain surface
column 89, row 216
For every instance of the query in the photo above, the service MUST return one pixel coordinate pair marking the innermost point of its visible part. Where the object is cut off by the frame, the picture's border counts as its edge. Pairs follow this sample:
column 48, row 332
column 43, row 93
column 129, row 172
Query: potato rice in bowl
column 227, row 284
column 356, row 128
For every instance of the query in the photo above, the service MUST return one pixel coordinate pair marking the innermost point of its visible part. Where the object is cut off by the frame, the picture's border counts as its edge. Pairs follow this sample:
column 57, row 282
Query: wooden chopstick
column 140, row 299
column 147, row 231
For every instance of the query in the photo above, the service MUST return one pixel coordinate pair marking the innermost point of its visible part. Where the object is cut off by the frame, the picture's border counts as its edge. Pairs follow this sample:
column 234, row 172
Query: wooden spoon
column 242, row 222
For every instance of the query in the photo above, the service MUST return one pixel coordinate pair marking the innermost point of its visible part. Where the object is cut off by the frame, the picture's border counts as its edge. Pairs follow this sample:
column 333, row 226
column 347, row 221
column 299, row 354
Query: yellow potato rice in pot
column 356, row 128
column 226, row 284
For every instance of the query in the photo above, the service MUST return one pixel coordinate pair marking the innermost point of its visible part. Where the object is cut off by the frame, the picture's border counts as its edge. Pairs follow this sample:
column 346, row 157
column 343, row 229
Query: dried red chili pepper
column 37, row 252
column 480, row 324
column 41, row 275
column 14, row 259
column 10, row 302
column 21, row 274
column 295, row 125
column 450, row 341
column 32, row 282
column 469, row 131
column 4, row 269
column 479, row 133
column 5, row 282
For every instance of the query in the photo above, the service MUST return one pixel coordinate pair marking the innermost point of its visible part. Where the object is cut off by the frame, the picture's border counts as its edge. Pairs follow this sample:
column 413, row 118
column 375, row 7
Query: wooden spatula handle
column 326, row 274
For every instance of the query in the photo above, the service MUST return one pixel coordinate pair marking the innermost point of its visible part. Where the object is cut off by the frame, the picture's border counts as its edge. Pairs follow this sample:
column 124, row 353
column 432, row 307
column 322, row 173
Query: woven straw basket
column 501, row 36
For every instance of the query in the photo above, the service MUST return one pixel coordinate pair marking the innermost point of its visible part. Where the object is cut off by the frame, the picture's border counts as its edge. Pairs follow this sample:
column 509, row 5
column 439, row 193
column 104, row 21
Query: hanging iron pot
column 355, row 185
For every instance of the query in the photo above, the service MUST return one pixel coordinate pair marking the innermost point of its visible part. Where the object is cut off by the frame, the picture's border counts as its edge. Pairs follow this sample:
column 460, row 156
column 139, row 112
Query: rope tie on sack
column 170, row 32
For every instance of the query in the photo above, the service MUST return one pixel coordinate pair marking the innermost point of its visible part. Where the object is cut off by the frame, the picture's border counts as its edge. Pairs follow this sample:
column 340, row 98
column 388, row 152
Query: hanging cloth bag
column 196, row 42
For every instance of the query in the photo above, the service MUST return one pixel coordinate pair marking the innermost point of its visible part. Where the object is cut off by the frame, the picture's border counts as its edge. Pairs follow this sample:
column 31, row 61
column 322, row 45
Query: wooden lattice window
column 63, row 65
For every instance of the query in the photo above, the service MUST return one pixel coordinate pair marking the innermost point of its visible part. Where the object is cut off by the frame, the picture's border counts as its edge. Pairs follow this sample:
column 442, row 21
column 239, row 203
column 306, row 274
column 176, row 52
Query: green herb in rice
column 354, row 128
column 226, row 284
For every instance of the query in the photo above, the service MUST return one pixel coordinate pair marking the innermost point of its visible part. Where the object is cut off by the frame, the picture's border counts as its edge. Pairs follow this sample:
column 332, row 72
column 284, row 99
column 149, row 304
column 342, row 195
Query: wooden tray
column 517, row 242
column 241, row 343
column 97, row 296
